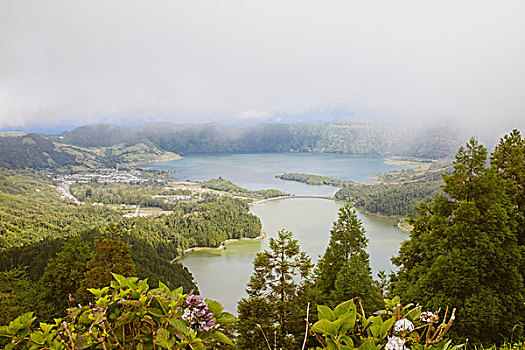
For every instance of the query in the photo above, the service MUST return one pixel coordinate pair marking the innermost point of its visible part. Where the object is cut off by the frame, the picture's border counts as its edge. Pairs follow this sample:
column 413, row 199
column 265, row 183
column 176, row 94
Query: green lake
column 222, row 274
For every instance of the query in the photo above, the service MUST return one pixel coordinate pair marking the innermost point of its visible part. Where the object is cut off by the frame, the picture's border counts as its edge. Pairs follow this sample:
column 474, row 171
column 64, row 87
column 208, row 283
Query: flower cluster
column 403, row 325
column 428, row 317
column 395, row 343
column 197, row 313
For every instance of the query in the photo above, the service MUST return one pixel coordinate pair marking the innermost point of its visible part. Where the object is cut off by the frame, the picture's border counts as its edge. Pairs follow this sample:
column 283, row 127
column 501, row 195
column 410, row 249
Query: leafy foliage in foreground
column 127, row 314
column 347, row 327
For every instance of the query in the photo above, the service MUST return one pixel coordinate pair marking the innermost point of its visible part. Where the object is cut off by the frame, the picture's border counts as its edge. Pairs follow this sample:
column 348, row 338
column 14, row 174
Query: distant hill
column 34, row 151
column 353, row 137
column 106, row 146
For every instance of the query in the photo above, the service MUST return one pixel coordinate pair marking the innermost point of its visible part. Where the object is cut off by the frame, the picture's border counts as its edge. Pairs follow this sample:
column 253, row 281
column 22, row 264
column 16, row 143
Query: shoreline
column 220, row 247
column 263, row 235
column 397, row 224
column 260, row 201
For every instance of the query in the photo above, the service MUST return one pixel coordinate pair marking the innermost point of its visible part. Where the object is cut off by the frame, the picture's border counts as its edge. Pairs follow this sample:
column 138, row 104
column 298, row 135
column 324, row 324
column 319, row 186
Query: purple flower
column 197, row 313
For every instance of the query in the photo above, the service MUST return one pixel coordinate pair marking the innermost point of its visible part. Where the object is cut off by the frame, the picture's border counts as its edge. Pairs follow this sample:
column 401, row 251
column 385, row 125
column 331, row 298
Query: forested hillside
column 353, row 137
column 394, row 194
column 34, row 151
column 109, row 146
column 43, row 238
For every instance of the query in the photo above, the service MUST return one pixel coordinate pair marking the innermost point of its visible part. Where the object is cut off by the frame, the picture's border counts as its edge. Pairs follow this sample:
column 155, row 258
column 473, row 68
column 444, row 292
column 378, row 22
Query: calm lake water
column 257, row 171
column 222, row 275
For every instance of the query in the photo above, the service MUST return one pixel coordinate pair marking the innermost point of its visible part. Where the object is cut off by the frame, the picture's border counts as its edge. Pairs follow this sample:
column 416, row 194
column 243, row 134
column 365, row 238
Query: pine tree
column 463, row 251
column 110, row 255
column 343, row 272
column 62, row 277
column 16, row 294
column 509, row 160
column 277, row 297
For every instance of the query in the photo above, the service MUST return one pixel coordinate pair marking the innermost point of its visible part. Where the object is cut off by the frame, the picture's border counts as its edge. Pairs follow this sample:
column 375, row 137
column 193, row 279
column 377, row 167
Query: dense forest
column 34, row 151
column 394, row 194
column 39, row 230
column 229, row 187
column 353, row 137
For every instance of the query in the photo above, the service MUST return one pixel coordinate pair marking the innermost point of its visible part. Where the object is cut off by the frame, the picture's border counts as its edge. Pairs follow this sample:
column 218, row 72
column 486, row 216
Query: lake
column 257, row 171
column 222, row 275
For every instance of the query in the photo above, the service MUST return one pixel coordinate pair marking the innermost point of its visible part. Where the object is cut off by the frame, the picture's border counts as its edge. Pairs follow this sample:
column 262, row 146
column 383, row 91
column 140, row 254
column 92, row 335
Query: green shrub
column 128, row 315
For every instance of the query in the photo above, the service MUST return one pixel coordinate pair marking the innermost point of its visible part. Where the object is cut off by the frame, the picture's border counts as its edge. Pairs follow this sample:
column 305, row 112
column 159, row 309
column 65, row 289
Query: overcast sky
column 77, row 62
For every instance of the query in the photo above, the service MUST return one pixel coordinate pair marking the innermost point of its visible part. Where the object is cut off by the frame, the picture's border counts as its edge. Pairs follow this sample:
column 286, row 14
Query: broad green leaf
column 226, row 318
column 38, row 338
column 330, row 345
column 125, row 318
column 345, row 322
column 325, row 313
column 221, row 338
column 325, row 327
column 176, row 293
column 348, row 341
column 215, row 307
column 414, row 315
column 375, row 328
column 385, row 327
column 162, row 338
column 21, row 322
column 414, row 337
column 197, row 345
column 46, row 328
column 5, row 331
column 344, row 307
column 368, row 345
column 180, row 325
column 163, row 286
column 122, row 281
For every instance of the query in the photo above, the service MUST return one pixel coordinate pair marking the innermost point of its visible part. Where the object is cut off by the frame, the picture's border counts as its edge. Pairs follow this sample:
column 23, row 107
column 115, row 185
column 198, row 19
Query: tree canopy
column 463, row 250
column 343, row 272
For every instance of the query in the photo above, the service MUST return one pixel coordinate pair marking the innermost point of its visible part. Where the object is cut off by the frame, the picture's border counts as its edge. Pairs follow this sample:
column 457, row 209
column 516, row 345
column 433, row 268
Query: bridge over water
column 291, row 197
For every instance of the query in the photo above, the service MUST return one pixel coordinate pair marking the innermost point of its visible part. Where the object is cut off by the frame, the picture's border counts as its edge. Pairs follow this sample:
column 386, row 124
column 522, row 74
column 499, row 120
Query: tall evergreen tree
column 343, row 272
column 62, row 277
column 509, row 160
column 16, row 294
column 463, row 251
column 277, row 297
column 110, row 255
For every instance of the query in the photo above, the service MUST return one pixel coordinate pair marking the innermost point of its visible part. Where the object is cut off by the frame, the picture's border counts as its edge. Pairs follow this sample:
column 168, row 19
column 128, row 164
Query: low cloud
column 79, row 62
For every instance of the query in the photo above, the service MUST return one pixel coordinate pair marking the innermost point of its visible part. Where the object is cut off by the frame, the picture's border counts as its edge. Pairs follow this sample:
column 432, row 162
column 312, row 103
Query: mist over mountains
column 350, row 137
column 108, row 145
